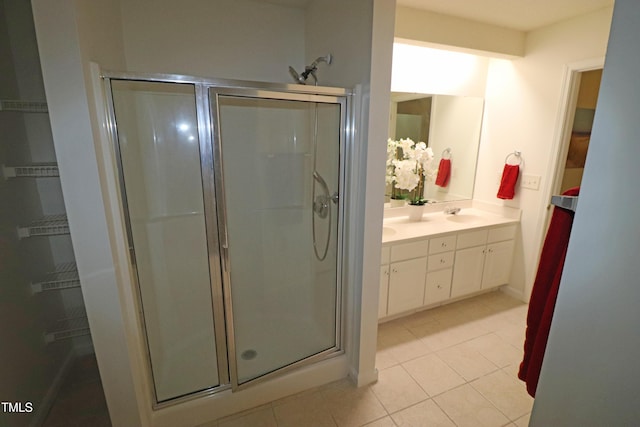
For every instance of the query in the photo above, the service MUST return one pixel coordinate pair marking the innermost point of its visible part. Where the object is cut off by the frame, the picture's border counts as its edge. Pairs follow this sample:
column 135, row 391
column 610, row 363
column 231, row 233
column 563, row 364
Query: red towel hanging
column 507, row 188
column 444, row 172
column 544, row 293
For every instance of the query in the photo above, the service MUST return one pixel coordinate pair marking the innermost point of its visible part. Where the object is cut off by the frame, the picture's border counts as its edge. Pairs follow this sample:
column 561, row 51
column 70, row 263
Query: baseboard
column 362, row 379
column 515, row 293
column 44, row 407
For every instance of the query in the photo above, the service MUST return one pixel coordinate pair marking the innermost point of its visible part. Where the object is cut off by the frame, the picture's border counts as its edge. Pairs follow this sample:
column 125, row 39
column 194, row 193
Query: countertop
column 436, row 223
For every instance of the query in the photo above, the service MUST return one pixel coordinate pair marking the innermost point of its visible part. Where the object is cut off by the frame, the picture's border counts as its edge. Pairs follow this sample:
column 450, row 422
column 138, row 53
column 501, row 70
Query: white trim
column 560, row 145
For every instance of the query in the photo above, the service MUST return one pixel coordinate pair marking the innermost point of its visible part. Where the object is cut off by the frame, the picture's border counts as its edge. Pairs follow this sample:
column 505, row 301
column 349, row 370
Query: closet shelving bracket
column 75, row 325
column 36, row 170
column 48, row 226
column 20, row 106
column 64, row 277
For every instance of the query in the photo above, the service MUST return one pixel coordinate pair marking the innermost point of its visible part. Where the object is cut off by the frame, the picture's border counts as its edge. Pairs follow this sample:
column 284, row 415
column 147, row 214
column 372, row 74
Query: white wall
column 30, row 370
column 230, row 40
column 590, row 376
column 233, row 39
column 368, row 26
column 523, row 104
column 69, row 33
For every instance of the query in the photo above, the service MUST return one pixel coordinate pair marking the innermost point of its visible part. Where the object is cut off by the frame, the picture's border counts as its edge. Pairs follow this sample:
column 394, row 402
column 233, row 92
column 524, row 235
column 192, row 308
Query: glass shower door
column 279, row 173
column 160, row 154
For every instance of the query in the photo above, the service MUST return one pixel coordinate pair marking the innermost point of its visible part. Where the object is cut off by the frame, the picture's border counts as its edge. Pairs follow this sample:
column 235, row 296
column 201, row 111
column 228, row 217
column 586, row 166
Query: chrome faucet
column 451, row 210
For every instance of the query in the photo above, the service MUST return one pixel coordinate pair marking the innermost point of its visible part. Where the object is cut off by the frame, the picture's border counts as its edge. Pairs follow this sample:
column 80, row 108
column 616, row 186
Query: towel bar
column 565, row 202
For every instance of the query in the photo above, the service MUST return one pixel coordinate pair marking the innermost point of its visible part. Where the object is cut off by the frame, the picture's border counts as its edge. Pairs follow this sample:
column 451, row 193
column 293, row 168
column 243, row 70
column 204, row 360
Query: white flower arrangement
column 409, row 166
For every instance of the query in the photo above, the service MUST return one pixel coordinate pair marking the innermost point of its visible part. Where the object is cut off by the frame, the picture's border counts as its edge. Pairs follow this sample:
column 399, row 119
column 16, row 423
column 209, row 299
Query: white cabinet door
column 467, row 271
column 406, row 285
column 384, row 291
column 497, row 264
column 438, row 286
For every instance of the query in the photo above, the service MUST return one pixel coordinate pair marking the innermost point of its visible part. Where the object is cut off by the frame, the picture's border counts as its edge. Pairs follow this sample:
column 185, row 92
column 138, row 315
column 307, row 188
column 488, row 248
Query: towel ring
column 446, row 152
column 517, row 154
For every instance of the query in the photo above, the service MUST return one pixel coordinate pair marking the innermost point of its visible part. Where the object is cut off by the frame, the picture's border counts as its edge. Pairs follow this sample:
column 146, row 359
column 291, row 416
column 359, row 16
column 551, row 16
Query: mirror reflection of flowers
column 409, row 167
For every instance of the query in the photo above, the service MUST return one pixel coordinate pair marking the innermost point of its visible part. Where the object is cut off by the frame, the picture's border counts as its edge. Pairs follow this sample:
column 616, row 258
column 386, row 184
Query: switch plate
column 530, row 181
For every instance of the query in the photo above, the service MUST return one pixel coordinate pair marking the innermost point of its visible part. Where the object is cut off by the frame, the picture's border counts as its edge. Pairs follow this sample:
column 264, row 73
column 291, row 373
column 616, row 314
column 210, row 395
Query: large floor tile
column 467, row 361
column 307, row 409
column 351, row 406
column 259, row 417
column 468, row 408
column 382, row 422
column 496, row 350
column 423, row 414
column 396, row 389
column 507, row 393
column 398, row 345
column 433, row 375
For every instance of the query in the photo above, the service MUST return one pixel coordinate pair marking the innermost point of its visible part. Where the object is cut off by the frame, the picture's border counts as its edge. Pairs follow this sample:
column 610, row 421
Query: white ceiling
column 523, row 15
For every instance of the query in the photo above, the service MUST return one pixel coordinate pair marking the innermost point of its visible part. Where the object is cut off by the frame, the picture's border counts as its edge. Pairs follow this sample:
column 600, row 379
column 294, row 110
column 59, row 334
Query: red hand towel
column 508, row 182
column 444, row 171
column 544, row 294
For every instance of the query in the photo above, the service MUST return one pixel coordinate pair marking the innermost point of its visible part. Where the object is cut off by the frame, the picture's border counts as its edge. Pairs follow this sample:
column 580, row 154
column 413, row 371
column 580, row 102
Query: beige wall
column 437, row 30
column 522, row 110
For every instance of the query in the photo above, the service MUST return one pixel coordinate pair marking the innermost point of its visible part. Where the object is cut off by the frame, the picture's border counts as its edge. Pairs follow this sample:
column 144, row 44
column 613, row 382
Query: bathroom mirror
column 443, row 122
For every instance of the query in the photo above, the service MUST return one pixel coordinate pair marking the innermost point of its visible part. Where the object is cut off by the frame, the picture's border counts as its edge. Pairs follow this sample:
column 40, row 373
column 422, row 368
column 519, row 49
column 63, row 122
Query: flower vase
column 415, row 212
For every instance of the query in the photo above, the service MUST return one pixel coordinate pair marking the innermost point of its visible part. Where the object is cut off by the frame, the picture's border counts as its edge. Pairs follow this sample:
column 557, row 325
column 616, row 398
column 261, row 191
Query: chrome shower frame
column 207, row 91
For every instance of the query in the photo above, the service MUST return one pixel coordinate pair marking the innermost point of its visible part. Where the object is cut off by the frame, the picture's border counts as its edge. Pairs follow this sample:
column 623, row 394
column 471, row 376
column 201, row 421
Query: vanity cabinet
column 403, row 278
column 483, row 260
column 433, row 270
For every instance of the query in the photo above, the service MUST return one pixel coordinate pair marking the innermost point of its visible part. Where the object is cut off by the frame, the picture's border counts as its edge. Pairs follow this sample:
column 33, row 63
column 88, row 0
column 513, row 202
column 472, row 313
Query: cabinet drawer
column 409, row 250
column 439, row 261
column 442, row 244
column 502, row 233
column 472, row 238
column 386, row 255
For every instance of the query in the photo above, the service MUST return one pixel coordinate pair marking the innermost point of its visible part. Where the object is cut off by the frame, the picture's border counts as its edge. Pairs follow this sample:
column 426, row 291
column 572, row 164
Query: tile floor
column 450, row 366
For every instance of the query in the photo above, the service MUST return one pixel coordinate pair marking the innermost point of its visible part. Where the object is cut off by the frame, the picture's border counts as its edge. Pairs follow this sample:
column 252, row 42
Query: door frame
column 318, row 97
column 561, row 140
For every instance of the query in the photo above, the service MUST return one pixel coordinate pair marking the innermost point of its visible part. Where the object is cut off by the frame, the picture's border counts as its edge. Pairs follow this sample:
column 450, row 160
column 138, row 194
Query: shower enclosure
column 231, row 194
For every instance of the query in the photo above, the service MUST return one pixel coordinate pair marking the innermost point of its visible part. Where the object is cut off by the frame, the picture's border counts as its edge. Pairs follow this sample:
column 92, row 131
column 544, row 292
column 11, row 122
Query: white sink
column 387, row 232
column 464, row 218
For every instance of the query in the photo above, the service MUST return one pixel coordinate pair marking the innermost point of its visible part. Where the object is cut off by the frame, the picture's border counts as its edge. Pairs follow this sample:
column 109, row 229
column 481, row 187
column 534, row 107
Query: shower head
column 310, row 70
column 296, row 76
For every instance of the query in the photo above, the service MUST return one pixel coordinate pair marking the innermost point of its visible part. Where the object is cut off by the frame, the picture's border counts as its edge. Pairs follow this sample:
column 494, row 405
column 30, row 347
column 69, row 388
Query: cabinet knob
column 395, row 270
column 438, row 286
column 442, row 261
column 444, row 245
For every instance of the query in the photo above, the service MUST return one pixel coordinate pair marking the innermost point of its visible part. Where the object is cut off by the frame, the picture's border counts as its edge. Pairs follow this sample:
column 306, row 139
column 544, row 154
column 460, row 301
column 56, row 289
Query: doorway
column 578, row 144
